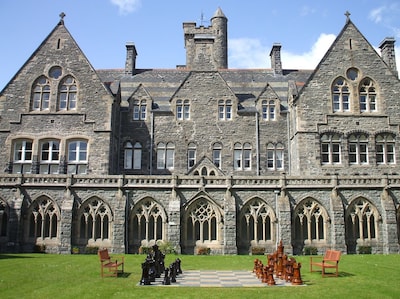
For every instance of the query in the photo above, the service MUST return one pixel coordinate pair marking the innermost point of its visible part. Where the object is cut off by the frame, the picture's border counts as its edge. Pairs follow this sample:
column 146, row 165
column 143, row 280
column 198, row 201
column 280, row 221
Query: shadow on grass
column 14, row 256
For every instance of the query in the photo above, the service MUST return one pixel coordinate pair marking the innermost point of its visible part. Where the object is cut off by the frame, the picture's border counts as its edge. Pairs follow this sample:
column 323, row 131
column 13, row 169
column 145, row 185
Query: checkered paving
column 223, row 279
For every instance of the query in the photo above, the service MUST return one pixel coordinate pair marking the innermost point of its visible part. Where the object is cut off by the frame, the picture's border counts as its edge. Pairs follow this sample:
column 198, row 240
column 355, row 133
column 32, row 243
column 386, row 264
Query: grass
column 78, row 276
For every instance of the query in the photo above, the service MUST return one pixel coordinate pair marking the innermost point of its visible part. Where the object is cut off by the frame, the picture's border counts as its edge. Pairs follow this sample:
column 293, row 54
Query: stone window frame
column 22, row 155
column 331, row 148
column 165, row 155
column 275, row 156
column 41, row 90
column 79, row 164
column 43, row 219
column 225, row 110
column 94, row 222
column 311, row 220
column 67, row 94
column 182, row 109
column 242, row 156
column 385, row 148
column 133, row 155
column 147, row 222
column 191, row 154
column 341, row 95
column 368, row 96
column 139, row 110
column 358, row 152
column 217, row 154
column 268, row 108
column 362, row 220
column 258, row 223
column 52, row 163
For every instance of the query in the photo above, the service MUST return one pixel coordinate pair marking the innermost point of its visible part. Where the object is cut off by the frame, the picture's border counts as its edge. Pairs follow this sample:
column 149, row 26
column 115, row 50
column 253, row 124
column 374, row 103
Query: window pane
column 137, row 162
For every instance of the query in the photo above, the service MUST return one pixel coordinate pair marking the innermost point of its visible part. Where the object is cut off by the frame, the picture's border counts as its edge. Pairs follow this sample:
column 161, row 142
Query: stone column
column 389, row 223
column 66, row 221
column 15, row 222
column 174, row 219
column 229, row 232
column 337, row 221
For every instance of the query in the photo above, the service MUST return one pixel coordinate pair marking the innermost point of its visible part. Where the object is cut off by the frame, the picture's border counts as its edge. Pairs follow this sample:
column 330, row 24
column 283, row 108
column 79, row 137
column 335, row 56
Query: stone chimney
column 130, row 63
column 388, row 53
column 276, row 63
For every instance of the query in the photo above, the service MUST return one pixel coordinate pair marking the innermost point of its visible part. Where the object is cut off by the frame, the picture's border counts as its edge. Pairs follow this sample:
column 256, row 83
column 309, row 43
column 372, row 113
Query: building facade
column 201, row 155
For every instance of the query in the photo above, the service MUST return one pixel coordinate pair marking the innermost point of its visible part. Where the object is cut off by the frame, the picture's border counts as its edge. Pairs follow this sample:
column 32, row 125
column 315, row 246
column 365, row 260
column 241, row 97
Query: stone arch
column 202, row 224
column 147, row 223
column 93, row 223
column 310, row 225
column 362, row 224
column 42, row 225
column 257, row 225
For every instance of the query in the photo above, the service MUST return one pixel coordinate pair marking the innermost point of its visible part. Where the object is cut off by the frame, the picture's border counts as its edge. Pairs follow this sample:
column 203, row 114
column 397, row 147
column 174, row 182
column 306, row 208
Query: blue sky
column 305, row 28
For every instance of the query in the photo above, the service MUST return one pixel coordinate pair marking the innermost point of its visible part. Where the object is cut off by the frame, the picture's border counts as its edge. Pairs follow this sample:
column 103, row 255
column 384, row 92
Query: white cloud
column 376, row 14
column 126, row 6
column 250, row 53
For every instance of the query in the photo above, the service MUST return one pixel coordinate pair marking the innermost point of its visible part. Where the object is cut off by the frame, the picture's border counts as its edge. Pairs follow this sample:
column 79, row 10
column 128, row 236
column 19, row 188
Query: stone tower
column 207, row 47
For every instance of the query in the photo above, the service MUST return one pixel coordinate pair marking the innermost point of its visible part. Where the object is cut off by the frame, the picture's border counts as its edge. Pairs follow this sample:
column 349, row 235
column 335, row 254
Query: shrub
column 257, row 250
column 166, row 247
column 203, row 251
column 145, row 250
column 91, row 249
column 75, row 250
column 310, row 250
column 364, row 250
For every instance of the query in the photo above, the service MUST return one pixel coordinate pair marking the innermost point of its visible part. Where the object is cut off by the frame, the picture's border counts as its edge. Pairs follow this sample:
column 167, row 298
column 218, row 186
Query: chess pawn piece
column 270, row 273
column 296, row 274
column 167, row 279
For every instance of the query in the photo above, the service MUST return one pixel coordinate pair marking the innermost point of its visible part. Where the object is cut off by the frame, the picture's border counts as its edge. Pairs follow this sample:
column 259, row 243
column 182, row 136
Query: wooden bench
column 112, row 265
column 329, row 261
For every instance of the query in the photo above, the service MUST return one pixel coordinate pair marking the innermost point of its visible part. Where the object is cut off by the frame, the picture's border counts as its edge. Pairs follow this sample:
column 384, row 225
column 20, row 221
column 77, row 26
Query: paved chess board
column 223, row 279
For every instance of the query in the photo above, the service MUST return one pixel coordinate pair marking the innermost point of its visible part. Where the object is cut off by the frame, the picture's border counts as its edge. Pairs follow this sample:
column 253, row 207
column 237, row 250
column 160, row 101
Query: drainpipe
column 257, row 144
column 151, row 141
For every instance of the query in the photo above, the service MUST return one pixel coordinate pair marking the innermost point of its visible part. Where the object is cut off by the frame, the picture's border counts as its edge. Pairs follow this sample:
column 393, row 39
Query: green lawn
column 78, row 276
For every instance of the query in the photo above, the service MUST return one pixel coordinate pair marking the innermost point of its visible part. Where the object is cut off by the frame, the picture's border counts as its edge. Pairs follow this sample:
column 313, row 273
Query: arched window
column 22, row 161
column 358, row 149
column 268, row 109
column 310, row 223
column 203, row 222
column 67, row 94
column 43, row 217
column 147, row 223
column 367, row 92
column 182, row 109
column 385, row 149
column 331, row 149
column 133, row 156
column 49, row 157
column 340, row 95
column 165, row 155
column 362, row 222
column 191, row 155
column 41, row 94
column 275, row 156
column 139, row 110
column 242, row 156
column 257, row 223
column 95, row 219
column 217, row 151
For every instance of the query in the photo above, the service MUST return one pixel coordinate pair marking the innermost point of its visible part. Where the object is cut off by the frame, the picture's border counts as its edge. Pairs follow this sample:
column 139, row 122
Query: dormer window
column 139, row 110
column 268, row 110
column 182, row 109
column 224, row 109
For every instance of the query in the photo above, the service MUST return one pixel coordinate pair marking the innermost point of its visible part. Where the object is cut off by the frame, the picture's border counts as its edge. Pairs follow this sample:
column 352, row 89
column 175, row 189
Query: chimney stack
column 130, row 63
column 276, row 63
column 388, row 53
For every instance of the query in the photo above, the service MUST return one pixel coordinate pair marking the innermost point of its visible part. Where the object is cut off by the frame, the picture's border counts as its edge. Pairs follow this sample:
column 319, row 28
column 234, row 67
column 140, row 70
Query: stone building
column 201, row 155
